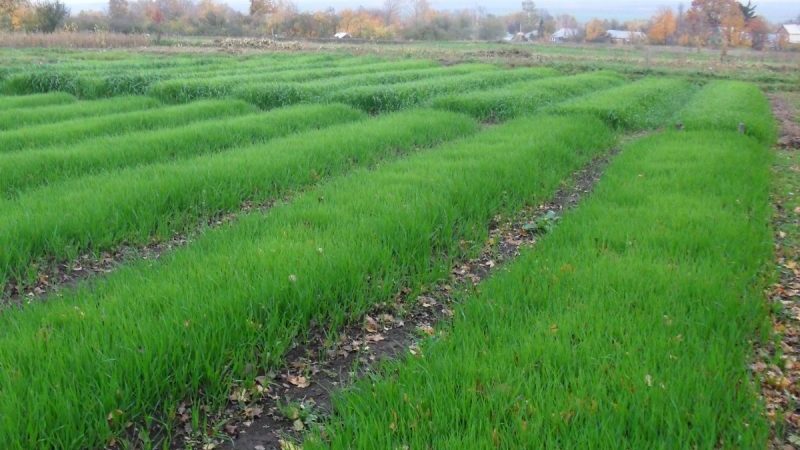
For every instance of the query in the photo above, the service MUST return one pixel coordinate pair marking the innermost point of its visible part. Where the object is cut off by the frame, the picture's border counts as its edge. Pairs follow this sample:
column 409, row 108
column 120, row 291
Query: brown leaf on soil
column 370, row 325
column 377, row 337
column 426, row 329
column 299, row 381
column 253, row 411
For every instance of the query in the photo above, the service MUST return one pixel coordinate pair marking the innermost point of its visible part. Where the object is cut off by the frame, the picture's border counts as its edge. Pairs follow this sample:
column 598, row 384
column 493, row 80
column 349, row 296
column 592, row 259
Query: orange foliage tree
column 663, row 27
column 595, row 30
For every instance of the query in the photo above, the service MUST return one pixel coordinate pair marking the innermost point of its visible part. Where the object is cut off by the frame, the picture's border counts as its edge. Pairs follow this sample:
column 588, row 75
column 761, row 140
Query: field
column 335, row 250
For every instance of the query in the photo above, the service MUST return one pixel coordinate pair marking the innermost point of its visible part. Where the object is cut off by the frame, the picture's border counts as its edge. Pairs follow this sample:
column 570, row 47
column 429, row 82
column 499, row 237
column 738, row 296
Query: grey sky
column 775, row 10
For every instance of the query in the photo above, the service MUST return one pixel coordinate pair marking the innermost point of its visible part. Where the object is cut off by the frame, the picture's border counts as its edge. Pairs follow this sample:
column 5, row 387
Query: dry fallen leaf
column 427, row 329
column 253, row 411
column 299, row 381
column 370, row 325
column 298, row 425
column 377, row 337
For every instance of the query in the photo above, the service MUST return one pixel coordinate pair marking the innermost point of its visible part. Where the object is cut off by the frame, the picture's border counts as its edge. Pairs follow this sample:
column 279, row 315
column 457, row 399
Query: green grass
column 100, row 80
column 181, row 91
column 17, row 118
column 376, row 99
column 24, row 170
column 31, row 101
column 647, row 103
column 102, row 211
column 723, row 105
column 76, row 130
column 271, row 95
column 148, row 337
column 629, row 327
column 524, row 98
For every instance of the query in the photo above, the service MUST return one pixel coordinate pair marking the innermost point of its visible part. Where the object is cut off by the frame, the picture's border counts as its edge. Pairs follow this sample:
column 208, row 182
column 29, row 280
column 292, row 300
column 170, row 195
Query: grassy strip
column 723, row 105
column 647, row 103
column 17, row 118
column 180, row 91
column 271, row 95
column 24, row 170
column 31, row 101
column 72, row 131
column 629, row 327
column 524, row 98
column 132, row 205
column 126, row 80
column 375, row 99
column 148, row 337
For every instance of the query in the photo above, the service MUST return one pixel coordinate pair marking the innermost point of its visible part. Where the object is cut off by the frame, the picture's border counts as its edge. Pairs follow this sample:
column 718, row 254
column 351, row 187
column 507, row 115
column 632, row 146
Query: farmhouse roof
column 565, row 33
column 341, row 35
column 793, row 31
column 625, row 35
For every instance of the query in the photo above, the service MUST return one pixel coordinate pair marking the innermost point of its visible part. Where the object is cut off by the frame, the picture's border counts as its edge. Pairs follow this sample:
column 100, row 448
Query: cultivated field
column 215, row 251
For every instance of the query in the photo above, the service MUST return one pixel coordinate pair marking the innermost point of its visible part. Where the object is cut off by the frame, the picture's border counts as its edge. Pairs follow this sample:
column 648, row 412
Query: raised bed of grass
column 629, row 327
column 76, row 130
column 36, row 100
column 376, row 99
column 24, row 170
column 18, row 118
column 644, row 104
column 136, row 204
column 526, row 97
column 229, row 305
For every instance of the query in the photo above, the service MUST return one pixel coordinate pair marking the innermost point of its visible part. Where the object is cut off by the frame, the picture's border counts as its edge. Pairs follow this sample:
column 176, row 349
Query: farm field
column 177, row 230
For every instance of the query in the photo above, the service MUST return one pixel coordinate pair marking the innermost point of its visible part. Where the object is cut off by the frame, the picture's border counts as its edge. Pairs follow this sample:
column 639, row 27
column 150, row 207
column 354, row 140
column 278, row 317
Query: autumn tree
column 663, row 27
column 392, row 11
column 50, row 14
column 595, row 31
column 717, row 20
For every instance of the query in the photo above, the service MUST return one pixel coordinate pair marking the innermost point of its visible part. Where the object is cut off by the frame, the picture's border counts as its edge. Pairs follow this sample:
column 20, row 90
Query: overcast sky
column 774, row 10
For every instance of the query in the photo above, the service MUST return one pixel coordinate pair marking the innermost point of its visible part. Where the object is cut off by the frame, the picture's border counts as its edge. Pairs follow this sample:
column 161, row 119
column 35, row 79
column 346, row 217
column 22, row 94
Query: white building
column 625, row 37
column 789, row 34
column 565, row 34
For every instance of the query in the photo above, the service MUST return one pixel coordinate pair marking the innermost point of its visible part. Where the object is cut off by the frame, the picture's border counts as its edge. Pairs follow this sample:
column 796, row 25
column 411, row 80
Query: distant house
column 519, row 37
column 342, row 35
column 564, row 35
column 532, row 35
column 789, row 35
column 625, row 37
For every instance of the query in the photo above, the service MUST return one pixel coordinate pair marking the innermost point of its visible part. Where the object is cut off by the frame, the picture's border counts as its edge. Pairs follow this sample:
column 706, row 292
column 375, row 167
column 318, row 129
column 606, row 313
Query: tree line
column 720, row 23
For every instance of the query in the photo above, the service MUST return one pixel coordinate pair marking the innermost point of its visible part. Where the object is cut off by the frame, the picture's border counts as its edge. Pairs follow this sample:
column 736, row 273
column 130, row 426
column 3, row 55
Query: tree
column 595, row 31
column 748, row 11
column 491, row 28
column 392, row 9
column 529, row 8
column 50, row 14
column 759, row 30
column 720, row 20
column 663, row 27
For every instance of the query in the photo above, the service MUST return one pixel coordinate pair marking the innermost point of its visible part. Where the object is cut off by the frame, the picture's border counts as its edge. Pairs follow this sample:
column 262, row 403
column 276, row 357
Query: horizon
column 778, row 11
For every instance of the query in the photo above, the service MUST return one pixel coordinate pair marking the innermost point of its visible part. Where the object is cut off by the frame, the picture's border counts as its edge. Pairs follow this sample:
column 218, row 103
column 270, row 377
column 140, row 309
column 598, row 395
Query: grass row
column 524, row 98
column 32, row 101
column 148, row 337
column 127, row 80
column 76, row 130
column 180, row 90
column 375, row 99
column 629, row 327
column 22, row 117
column 724, row 105
column 24, row 170
column 647, row 103
column 133, row 205
column 271, row 95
